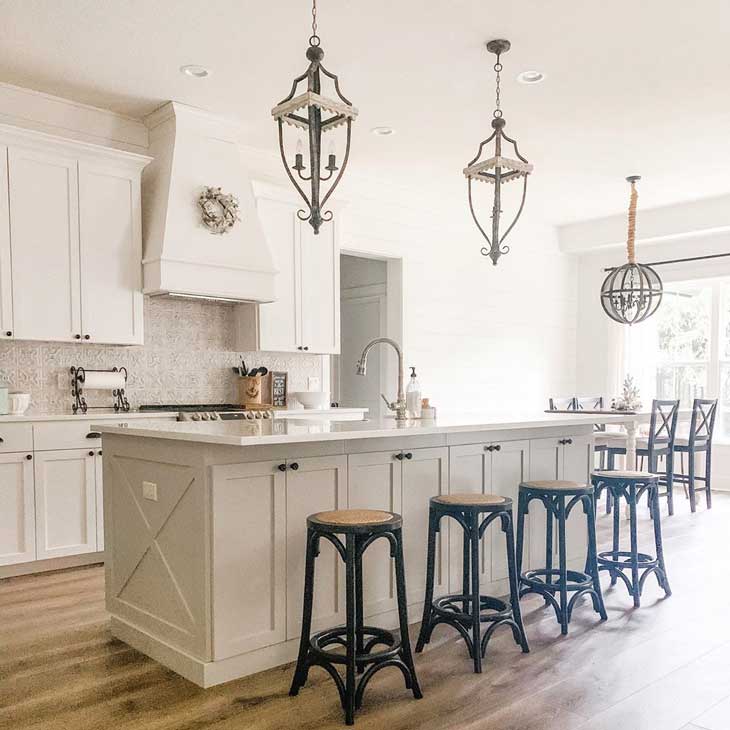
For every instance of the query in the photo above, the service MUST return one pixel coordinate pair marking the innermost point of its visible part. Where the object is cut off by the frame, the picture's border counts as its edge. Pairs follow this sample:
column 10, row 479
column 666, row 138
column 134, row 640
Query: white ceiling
column 632, row 87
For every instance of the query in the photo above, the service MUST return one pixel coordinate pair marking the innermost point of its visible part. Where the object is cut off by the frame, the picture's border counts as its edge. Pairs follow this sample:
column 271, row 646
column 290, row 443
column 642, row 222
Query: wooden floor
column 665, row 666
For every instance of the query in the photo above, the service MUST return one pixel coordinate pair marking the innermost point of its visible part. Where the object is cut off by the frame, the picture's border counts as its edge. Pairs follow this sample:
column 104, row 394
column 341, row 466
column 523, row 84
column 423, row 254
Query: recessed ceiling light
column 197, row 72
column 383, row 131
column 531, row 77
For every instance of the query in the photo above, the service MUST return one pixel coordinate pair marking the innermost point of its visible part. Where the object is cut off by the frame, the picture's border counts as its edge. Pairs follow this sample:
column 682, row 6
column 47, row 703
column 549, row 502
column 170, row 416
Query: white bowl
column 313, row 399
column 18, row 403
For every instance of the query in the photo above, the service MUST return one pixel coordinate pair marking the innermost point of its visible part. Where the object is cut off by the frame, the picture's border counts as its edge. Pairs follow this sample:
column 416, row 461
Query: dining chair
column 562, row 404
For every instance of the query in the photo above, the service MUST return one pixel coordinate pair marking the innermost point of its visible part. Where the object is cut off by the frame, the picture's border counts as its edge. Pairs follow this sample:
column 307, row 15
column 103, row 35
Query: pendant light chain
column 314, row 40
column 498, row 89
column 631, row 236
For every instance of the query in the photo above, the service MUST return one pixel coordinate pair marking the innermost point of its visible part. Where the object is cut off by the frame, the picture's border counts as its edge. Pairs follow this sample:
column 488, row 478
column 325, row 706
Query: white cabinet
column 559, row 458
column 44, row 240
column 70, row 241
column 249, row 546
column 314, row 484
column 487, row 468
column 111, row 254
column 17, row 516
column 65, row 502
column 306, row 314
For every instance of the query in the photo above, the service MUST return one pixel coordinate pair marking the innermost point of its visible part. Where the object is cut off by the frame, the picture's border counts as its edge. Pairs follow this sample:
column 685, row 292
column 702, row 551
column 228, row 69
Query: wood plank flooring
column 665, row 666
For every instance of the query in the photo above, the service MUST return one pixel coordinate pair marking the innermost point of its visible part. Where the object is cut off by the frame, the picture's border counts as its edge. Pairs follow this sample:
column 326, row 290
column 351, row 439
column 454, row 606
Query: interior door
column 6, row 290
column 280, row 321
column 17, row 517
column 374, row 481
column 315, row 485
column 111, row 254
column 65, row 502
column 320, row 290
column 44, row 236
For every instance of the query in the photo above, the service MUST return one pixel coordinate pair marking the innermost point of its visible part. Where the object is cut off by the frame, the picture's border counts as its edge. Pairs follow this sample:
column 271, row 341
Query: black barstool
column 631, row 486
column 466, row 611
column 361, row 528
column 559, row 498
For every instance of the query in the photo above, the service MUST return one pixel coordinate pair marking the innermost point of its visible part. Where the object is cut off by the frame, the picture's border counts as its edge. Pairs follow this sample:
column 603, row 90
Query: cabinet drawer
column 16, row 437
column 56, row 435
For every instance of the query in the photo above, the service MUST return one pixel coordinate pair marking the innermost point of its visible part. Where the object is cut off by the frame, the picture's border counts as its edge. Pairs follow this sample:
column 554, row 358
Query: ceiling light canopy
column 531, row 77
column 195, row 71
column 497, row 169
column 383, row 131
column 304, row 112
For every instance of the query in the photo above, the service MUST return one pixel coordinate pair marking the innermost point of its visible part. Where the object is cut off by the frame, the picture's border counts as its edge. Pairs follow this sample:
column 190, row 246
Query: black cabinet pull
column 29, row 457
column 565, row 442
column 93, row 435
column 294, row 466
column 398, row 456
column 409, row 455
column 281, row 467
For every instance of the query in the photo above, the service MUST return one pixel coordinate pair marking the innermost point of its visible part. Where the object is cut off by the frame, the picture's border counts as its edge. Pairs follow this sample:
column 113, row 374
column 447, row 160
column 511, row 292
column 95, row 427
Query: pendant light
column 497, row 169
column 304, row 112
column 633, row 292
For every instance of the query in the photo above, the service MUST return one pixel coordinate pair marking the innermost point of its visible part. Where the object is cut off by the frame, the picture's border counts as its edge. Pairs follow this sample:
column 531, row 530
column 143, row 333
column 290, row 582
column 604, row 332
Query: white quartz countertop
column 285, row 431
column 100, row 415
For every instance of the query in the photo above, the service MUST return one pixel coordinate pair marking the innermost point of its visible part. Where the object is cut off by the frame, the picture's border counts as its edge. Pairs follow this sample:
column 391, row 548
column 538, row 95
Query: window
column 683, row 351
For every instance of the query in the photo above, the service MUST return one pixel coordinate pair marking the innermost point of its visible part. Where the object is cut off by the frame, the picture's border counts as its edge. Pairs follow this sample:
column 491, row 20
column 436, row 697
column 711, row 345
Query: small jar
column 428, row 412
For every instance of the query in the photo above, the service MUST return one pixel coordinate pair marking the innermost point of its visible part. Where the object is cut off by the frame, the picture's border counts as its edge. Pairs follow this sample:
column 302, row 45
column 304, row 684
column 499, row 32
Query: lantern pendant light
column 497, row 169
column 305, row 112
column 633, row 292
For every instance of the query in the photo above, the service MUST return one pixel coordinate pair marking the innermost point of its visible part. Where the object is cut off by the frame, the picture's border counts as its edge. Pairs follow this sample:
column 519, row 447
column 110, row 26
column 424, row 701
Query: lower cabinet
column 65, row 502
column 487, row 468
column 17, row 517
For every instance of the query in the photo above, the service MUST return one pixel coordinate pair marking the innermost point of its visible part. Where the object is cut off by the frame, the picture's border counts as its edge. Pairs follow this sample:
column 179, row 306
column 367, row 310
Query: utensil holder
column 254, row 390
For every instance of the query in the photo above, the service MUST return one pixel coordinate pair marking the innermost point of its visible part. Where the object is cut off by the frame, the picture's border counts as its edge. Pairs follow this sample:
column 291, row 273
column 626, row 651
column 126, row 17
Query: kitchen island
column 205, row 522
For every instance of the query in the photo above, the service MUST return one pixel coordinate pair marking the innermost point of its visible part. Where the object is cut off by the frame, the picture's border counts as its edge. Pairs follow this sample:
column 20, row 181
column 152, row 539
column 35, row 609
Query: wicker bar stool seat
column 360, row 528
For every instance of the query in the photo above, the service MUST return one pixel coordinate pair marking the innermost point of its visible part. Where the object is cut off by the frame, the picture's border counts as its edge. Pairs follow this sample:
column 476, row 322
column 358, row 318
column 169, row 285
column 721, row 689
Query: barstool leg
column 424, row 635
column 670, row 483
column 514, row 596
column 691, row 481
column 608, row 501
column 548, row 549
column 359, row 614
column 465, row 571
column 473, row 522
column 634, row 541
column 563, row 566
column 301, row 671
column 708, row 477
column 592, row 560
column 664, row 582
column 350, row 571
column 616, row 529
column 521, row 504
column 405, row 641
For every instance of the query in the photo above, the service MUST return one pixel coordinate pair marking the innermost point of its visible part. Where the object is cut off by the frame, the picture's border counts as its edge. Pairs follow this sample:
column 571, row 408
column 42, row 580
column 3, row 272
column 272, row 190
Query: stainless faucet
column 399, row 405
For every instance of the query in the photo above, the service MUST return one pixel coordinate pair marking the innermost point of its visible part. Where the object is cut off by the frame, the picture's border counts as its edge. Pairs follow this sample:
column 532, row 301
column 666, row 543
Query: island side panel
column 157, row 537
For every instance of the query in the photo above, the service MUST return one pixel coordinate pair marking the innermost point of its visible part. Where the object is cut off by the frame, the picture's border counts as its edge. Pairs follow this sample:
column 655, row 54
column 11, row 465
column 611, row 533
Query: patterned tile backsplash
column 187, row 358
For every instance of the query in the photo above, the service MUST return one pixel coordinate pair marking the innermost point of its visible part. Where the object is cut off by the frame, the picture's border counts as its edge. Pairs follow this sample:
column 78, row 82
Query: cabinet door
column 280, row 321
column 319, row 484
column 249, row 557
column 65, row 503
column 546, row 462
column 111, row 255
column 99, row 481
column 374, row 482
column 6, row 291
column 577, row 460
column 469, row 473
column 320, row 298
column 425, row 475
column 17, row 517
column 44, row 235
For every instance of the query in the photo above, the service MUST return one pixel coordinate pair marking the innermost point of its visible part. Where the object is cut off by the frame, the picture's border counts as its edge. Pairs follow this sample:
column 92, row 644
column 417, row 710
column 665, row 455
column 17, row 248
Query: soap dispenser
column 413, row 396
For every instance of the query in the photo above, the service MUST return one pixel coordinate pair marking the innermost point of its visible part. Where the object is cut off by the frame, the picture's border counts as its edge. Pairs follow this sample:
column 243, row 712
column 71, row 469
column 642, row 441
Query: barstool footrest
column 490, row 608
column 535, row 580
column 621, row 559
column 373, row 636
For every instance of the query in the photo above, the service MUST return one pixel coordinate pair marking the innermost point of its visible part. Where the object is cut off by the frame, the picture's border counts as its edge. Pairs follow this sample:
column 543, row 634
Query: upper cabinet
column 306, row 314
column 70, row 241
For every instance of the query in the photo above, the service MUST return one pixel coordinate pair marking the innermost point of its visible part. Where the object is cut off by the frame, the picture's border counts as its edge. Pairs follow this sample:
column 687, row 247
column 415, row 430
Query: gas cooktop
column 209, row 411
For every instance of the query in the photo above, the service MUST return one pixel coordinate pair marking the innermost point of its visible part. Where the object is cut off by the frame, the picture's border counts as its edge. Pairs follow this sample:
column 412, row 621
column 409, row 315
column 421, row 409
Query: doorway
column 369, row 307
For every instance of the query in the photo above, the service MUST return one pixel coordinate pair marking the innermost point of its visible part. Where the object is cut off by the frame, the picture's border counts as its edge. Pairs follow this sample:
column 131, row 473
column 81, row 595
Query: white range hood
column 192, row 150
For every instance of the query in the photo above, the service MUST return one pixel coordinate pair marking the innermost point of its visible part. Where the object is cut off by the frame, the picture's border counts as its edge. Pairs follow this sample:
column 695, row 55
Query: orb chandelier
column 633, row 292
column 305, row 112
column 497, row 169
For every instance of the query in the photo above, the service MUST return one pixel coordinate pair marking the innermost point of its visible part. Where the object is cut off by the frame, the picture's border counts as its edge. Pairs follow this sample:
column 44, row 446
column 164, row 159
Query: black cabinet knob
column 2, row 440
column 87, row 337
column 29, row 457
column 8, row 334
column 497, row 447
column 91, row 453
column 281, row 467
column 409, row 455
column 99, row 452
column 398, row 456
column 568, row 441
column 300, row 347
column 306, row 348
column 294, row 466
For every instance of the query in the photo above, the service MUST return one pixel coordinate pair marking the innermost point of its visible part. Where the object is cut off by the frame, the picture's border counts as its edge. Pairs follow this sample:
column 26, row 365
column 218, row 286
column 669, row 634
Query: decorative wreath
column 219, row 210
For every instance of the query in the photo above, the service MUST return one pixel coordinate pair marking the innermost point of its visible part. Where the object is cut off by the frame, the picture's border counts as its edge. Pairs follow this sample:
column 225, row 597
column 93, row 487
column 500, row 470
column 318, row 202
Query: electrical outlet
column 62, row 381
column 314, row 383
column 149, row 491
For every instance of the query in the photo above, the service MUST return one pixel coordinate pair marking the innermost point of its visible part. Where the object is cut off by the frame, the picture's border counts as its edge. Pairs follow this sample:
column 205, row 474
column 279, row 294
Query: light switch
column 149, row 491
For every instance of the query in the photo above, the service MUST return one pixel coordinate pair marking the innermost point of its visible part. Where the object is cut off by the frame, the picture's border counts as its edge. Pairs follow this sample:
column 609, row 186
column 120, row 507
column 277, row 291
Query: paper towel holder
column 78, row 378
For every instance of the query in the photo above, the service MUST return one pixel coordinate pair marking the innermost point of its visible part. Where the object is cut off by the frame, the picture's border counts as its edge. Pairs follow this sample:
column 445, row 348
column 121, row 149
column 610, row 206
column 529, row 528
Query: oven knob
column 195, row 417
column 258, row 415
column 267, row 414
column 250, row 416
column 204, row 417
column 214, row 416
